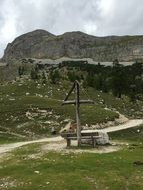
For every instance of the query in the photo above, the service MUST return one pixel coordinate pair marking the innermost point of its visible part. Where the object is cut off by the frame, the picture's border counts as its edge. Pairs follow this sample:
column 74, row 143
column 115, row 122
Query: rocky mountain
column 41, row 44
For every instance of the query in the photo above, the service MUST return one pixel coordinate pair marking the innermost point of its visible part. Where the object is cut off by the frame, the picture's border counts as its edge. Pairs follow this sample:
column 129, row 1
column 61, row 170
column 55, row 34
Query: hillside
column 29, row 109
column 42, row 44
column 31, row 104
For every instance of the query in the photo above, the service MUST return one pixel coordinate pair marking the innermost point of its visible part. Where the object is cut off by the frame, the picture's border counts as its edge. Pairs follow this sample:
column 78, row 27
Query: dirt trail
column 129, row 124
column 8, row 147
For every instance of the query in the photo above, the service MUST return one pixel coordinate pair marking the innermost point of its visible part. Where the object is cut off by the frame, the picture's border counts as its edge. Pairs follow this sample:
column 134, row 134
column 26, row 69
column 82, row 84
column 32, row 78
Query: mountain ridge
column 41, row 44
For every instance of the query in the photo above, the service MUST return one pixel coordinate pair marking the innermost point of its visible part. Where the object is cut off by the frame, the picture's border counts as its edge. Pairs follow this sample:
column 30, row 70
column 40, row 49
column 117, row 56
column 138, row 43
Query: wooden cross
column 76, row 102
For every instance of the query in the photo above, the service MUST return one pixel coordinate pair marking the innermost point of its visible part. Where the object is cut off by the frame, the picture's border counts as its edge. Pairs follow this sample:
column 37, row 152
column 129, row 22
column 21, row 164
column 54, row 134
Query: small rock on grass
column 37, row 172
column 138, row 163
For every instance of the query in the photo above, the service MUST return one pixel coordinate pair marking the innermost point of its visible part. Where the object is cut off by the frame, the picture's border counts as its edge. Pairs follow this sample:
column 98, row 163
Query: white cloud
column 90, row 28
column 96, row 17
column 106, row 7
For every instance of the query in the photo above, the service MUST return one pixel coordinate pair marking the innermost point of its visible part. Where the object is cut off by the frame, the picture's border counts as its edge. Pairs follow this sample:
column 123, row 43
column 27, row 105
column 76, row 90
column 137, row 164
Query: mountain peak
column 42, row 44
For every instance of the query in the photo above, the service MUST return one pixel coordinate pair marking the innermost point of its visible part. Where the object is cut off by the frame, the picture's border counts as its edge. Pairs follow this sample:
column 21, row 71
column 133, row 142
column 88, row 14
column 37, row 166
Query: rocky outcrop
column 41, row 44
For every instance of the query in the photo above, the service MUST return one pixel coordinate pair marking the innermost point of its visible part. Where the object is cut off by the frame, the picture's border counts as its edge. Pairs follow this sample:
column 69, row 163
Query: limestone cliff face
column 42, row 44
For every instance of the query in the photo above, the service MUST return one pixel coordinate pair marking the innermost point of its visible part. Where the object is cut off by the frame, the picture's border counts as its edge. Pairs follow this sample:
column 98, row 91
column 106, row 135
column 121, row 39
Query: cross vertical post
column 76, row 102
column 77, row 113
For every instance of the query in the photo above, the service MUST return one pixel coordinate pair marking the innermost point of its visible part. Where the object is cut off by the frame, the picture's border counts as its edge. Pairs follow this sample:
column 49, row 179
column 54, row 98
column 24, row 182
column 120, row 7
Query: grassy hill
column 28, row 110
column 32, row 104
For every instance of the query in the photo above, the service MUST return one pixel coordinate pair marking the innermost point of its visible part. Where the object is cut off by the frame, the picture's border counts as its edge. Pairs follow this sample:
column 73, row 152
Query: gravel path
column 8, row 147
column 129, row 124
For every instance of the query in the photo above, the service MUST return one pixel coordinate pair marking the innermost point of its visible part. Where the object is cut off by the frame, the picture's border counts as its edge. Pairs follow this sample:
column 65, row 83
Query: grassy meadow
column 29, row 167
column 29, row 109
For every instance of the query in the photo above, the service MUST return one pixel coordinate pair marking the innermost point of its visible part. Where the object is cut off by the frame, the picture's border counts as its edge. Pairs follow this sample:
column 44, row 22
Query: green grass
column 8, row 138
column 14, row 103
column 73, row 171
column 123, row 105
column 87, row 171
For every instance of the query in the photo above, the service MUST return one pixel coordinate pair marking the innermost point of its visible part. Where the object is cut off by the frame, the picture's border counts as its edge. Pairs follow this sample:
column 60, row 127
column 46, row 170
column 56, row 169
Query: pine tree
column 34, row 74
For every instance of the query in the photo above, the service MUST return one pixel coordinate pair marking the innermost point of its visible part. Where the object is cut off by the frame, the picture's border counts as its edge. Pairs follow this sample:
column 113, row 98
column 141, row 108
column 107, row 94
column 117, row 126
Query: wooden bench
column 87, row 136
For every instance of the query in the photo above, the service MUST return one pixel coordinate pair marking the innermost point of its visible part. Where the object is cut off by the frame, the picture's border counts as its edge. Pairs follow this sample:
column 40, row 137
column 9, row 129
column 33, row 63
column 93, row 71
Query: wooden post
column 77, row 114
column 68, row 142
column 93, row 141
column 77, row 103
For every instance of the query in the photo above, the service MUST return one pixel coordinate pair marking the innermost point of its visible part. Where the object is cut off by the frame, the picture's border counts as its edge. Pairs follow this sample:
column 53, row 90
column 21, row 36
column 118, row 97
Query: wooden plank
column 70, row 92
column 80, row 102
column 82, row 134
column 75, row 138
